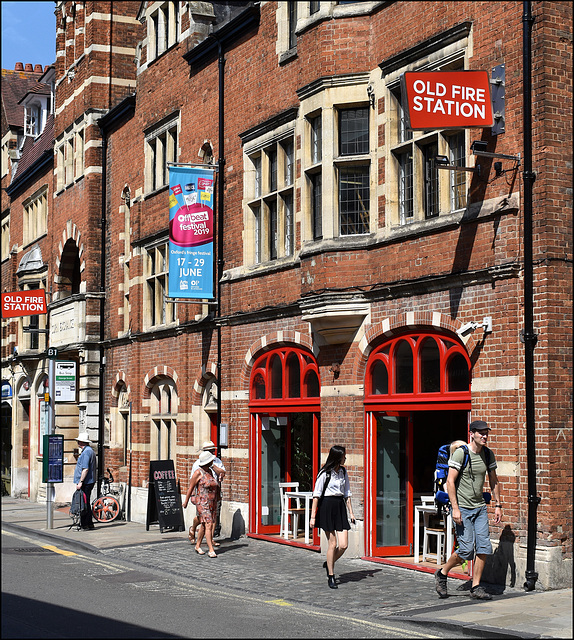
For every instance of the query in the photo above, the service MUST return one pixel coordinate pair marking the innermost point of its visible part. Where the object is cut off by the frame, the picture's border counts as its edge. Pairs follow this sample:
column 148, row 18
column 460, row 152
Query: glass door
column 272, row 471
column 392, row 475
column 287, row 446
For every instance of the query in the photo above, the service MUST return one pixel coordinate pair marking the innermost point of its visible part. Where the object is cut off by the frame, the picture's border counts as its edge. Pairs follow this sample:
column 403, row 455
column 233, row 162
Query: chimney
column 28, row 67
column 19, row 67
column 38, row 68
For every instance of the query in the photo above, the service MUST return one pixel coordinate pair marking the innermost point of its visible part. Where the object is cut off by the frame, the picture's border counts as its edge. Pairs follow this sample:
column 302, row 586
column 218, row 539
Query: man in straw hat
column 85, row 475
column 219, row 471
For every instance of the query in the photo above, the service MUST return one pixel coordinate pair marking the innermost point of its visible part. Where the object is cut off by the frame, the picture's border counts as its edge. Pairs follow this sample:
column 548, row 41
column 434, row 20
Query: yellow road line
column 60, row 551
column 227, row 594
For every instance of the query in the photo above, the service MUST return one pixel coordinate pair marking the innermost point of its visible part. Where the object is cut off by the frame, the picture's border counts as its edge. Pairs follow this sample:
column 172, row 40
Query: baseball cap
column 479, row 425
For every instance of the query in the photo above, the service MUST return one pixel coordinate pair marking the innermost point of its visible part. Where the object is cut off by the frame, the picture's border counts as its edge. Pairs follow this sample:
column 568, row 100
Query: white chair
column 291, row 512
column 439, row 534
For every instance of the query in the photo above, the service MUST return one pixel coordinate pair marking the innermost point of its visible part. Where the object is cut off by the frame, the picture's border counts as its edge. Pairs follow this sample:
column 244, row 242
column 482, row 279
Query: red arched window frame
column 285, row 376
column 418, row 367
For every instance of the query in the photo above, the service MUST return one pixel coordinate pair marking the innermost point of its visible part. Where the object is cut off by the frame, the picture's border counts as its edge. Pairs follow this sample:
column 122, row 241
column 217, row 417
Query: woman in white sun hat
column 219, row 470
column 206, row 500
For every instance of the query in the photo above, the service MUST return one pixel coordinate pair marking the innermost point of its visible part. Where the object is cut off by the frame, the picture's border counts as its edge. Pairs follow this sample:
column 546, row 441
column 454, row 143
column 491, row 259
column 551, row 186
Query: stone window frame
column 269, row 206
column 70, row 151
column 288, row 31
column 125, row 259
column 35, row 216
column 5, row 235
column 453, row 53
column 161, row 148
column 328, row 97
column 28, row 341
column 163, row 419
column 163, row 23
column 157, row 310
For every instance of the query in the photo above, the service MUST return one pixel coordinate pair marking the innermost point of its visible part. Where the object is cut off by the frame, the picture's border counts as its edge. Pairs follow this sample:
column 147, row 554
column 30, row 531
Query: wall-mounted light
column 478, row 147
column 469, row 327
column 442, row 162
column 371, row 94
column 335, row 369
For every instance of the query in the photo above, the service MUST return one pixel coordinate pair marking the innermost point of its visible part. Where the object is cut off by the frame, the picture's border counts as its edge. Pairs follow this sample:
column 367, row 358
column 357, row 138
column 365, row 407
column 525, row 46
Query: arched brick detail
column 120, row 378
column 71, row 232
column 411, row 320
column 268, row 342
column 208, row 372
column 155, row 374
column 119, row 382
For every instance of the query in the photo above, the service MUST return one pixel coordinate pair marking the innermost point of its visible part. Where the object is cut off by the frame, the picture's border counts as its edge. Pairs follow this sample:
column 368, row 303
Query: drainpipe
column 103, row 223
column 528, row 335
column 101, row 430
column 220, row 197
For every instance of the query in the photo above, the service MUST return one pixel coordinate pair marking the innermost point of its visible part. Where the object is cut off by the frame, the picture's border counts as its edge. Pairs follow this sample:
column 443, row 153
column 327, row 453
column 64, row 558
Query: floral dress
column 207, row 489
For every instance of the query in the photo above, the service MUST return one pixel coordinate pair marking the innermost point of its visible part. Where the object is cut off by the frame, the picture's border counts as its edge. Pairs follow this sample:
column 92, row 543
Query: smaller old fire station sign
column 447, row 99
column 23, row 303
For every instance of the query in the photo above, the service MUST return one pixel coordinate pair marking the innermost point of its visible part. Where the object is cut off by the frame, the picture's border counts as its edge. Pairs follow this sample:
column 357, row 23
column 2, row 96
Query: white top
column 338, row 484
column 216, row 463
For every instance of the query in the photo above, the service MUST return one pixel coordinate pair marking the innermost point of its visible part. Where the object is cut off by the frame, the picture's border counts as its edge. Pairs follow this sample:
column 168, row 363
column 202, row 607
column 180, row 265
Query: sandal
column 216, row 544
column 212, row 554
column 200, row 552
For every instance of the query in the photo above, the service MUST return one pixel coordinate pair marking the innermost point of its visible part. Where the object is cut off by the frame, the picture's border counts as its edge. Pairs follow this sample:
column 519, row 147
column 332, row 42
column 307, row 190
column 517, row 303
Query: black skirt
column 332, row 514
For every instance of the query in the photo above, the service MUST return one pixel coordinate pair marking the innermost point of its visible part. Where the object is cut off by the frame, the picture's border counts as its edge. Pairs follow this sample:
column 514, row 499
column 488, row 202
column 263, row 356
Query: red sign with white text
column 447, row 99
column 23, row 303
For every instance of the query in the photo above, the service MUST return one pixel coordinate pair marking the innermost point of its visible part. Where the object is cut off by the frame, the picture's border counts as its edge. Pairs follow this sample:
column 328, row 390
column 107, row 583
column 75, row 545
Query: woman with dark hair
column 329, row 512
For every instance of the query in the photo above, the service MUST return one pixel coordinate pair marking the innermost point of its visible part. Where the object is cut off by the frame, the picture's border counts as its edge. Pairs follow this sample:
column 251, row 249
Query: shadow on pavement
column 356, row 576
column 27, row 618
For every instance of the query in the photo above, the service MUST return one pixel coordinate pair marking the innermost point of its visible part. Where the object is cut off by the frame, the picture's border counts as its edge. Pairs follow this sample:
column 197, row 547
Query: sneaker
column 478, row 593
column 440, row 584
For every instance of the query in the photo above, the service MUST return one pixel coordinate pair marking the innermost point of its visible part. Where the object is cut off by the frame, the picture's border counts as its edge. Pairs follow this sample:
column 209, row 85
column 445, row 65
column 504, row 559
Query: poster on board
column 191, row 232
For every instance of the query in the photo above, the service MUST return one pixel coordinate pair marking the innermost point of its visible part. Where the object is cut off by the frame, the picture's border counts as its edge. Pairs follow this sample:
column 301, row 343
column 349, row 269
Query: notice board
column 164, row 497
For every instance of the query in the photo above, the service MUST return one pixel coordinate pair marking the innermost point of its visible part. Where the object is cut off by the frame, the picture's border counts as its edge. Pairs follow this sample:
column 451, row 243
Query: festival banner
column 191, row 232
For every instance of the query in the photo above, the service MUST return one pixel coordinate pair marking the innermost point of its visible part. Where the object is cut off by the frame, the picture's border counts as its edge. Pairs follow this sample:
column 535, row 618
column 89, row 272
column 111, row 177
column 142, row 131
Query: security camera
column 467, row 328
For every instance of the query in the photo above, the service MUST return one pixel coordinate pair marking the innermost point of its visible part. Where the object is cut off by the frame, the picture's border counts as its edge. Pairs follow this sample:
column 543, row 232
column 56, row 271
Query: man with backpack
column 465, row 484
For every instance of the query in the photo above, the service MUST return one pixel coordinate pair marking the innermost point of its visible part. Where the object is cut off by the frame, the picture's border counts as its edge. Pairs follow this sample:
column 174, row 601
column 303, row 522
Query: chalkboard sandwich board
column 164, row 497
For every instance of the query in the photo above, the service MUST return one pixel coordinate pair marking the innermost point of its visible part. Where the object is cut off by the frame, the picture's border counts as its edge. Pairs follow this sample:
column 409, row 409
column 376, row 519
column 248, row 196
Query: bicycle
column 106, row 508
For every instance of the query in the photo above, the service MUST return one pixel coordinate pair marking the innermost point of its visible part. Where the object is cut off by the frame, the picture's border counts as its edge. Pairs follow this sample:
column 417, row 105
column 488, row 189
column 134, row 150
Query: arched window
column 70, row 270
column 163, row 420
column 286, row 373
column 419, row 364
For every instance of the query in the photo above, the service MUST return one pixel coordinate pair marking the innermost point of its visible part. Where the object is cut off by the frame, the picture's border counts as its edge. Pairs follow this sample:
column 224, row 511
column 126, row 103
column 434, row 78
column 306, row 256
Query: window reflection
column 430, row 367
column 404, row 368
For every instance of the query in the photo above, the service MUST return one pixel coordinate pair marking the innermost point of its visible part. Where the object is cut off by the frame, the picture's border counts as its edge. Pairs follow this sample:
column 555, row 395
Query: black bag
column 78, row 507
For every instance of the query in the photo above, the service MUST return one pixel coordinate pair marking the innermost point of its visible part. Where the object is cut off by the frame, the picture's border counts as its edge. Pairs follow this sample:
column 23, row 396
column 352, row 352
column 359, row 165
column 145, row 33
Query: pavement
column 287, row 574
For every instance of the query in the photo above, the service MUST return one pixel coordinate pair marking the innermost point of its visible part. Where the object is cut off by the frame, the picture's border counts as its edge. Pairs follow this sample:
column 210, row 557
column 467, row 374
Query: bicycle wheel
column 105, row 508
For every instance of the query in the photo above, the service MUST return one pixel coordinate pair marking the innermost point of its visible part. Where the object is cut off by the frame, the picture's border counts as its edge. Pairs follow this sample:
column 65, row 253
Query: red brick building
column 366, row 296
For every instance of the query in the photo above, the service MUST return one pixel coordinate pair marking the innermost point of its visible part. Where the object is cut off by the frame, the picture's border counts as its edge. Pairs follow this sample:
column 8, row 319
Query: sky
column 28, row 33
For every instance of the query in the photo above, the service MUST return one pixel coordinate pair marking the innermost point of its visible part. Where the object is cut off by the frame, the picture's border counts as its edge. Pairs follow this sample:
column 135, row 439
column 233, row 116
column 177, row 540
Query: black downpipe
column 103, row 223
column 220, row 196
column 529, row 336
column 102, row 311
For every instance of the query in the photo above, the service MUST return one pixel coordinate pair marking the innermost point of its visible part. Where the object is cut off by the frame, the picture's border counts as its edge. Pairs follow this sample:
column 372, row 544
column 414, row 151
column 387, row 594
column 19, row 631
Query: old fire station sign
column 447, row 99
column 23, row 303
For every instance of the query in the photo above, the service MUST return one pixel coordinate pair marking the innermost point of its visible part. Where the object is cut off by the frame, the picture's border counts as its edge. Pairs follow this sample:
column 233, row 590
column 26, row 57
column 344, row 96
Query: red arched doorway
column 417, row 397
column 284, row 402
